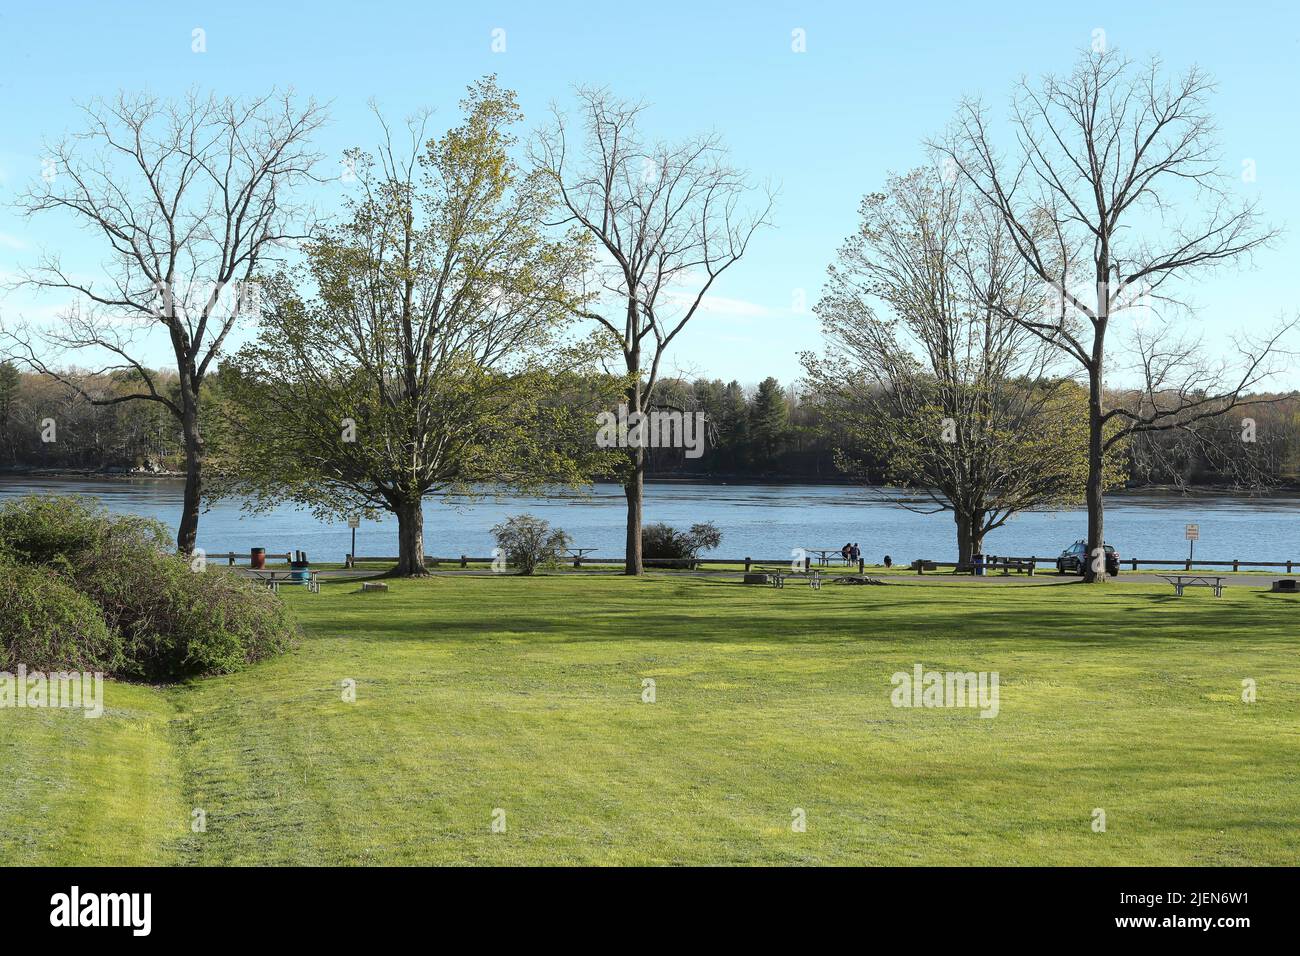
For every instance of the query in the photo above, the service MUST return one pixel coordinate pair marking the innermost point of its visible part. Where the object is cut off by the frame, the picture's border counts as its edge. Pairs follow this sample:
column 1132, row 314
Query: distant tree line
column 767, row 431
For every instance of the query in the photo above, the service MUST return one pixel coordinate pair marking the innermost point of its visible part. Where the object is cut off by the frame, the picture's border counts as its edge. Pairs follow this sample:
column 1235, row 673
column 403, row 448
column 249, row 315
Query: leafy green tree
column 10, row 379
column 734, row 446
column 419, row 351
column 768, row 421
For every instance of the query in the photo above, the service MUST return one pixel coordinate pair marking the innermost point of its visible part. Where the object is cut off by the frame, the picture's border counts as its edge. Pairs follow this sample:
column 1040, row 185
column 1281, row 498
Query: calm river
column 762, row 521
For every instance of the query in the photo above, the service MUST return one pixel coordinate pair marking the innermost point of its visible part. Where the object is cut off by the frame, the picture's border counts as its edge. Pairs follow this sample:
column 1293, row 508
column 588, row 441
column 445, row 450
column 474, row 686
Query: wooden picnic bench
column 1007, row 565
column 578, row 554
column 1180, row 581
column 826, row 555
column 273, row 579
column 777, row 573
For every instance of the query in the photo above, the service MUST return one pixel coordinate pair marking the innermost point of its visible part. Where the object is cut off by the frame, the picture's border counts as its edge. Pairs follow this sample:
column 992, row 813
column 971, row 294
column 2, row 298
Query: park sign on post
column 354, row 522
column 1193, row 532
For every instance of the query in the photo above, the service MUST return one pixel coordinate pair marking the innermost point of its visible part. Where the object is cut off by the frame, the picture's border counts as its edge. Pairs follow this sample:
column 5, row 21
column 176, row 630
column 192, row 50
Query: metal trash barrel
column 299, row 567
column 257, row 558
column 977, row 561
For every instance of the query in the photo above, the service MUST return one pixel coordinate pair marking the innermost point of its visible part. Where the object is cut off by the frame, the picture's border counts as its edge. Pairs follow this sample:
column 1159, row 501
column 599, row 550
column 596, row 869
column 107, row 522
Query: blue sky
column 825, row 125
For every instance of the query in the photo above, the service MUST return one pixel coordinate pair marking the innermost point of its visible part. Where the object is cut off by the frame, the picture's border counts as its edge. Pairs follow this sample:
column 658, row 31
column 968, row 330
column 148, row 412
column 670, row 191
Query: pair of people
column 851, row 553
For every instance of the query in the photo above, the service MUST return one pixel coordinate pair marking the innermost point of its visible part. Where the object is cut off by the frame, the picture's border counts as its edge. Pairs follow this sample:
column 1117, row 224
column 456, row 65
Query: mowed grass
column 482, row 698
column 97, row 791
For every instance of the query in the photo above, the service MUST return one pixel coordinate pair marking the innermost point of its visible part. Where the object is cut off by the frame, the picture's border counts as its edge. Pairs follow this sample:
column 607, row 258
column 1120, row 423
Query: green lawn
column 484, row 693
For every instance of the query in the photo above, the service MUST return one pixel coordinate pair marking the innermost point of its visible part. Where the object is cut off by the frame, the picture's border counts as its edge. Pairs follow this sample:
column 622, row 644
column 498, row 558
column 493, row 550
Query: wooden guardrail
column 1236, row 564
column 990, row 560
column 748, row 563
column 1186, row 564
column 465, row 561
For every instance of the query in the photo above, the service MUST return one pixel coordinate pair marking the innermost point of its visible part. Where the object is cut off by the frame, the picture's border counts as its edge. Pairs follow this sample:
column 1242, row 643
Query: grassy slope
column 102, row 791
column 479, row 693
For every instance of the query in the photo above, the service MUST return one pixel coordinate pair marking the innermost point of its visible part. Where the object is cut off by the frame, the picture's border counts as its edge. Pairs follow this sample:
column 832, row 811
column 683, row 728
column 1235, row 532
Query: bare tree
column 189, row 198
column 955, row 395
column 667, row 220
column 1092, row 194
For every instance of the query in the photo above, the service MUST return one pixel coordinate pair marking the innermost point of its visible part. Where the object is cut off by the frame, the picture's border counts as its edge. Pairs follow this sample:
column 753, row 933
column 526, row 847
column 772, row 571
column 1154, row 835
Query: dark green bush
column 47, row 625
column 163, row 619
column 662, row 541
column 176, row 622
column 53, row 529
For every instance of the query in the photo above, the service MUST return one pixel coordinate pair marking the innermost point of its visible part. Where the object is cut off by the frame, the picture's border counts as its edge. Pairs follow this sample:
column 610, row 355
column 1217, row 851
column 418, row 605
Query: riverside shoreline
column 90, row 474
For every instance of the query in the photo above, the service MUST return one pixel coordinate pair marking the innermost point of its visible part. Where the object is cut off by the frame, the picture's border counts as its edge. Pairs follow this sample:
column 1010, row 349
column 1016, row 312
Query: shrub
column 661, row 541
column 48, row 626
column 156, row 618
column 54, row 529
column 176, row 622
column 529, row 542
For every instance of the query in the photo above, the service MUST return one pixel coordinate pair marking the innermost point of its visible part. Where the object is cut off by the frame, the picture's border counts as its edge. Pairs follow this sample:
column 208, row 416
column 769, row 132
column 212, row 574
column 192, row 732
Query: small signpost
column 354, row 522
column 1193, row 535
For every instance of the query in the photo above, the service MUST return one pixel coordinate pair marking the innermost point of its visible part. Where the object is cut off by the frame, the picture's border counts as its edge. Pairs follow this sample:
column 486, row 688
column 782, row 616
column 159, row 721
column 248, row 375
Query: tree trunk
column 964, row 550
column 410, row 538
column 195, row 450
column 634, row 485
column 970, row 539
column 634, row 490
column 1096, row 506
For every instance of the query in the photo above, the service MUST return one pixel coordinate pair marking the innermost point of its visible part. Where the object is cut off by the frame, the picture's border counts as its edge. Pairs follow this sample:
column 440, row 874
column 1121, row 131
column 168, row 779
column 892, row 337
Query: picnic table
column 823, row 554
column 777, row 573
column 273, row 579
column 578, row 554
column 1180, row 581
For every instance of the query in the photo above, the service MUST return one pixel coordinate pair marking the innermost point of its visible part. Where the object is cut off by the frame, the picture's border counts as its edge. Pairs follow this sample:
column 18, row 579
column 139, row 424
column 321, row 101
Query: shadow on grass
column 724, row 613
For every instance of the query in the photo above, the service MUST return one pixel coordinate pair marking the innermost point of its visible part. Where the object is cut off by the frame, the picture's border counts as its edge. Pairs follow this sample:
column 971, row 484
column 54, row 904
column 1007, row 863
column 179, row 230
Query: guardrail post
column 862, row 565
column 464, row 561
column 1288, row 567
column 748, row 562
column 1189, row 565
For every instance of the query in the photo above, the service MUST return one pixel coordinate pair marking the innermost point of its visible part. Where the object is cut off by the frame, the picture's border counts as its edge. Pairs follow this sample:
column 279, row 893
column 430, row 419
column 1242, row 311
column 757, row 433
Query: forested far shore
column 765, row 432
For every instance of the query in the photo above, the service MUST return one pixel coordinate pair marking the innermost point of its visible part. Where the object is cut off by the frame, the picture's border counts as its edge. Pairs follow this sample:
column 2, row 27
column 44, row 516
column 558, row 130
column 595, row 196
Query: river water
column 761, row 521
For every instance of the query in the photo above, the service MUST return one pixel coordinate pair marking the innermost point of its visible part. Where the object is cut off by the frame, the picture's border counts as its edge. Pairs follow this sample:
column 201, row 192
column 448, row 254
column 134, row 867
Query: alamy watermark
column 653, row 429
column 79, row 690
column 922, row 688
column 75, row 908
